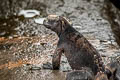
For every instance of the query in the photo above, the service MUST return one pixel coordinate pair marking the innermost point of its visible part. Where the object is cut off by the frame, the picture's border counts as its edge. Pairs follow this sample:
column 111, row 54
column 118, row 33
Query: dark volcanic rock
column 84, row 74
column 113, row 69
column 111, row 13
column 86, row 18
column 47, row 65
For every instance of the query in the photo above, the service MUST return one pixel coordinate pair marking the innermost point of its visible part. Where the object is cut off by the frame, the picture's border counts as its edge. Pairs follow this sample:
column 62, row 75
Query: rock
column 113, row 70
column 84, row 74
column 101, row 76
column 111, row 13
column 35, row 68
column 39, row 20
column 117, row 75
column 29, row 13
column 85, row 16
column 116, row 3
column 47, row 65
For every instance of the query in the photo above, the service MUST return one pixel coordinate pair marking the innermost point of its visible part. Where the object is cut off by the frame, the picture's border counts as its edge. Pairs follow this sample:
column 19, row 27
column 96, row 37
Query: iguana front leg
column 56, row 58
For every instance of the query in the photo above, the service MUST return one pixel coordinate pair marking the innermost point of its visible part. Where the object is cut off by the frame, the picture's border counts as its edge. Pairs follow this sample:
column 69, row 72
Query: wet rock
column 84, row 74
column 7, row 26
column 5, row 46
column 116, row 3
column 47, row 65
column 40, row 20
column 12, row 7
column 29, row 13
column 118, row 73
column 25, row 49
column 64, row 66
column 85, row 16
column 101, row 76
column 112, row 70
column 35, row 68
column 2, row 33
column 111, row 13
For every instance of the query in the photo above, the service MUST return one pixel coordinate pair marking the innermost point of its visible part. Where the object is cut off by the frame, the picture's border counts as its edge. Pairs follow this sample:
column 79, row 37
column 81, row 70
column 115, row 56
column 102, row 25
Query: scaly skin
column 79, row 52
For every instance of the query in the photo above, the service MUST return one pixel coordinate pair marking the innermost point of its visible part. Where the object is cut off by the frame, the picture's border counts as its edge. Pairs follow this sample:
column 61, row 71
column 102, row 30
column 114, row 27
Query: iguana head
column 56, row 23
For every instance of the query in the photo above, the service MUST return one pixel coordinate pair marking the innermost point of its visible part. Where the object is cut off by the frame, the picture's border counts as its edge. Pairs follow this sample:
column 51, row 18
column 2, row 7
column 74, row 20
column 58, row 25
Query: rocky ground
column 26, row 48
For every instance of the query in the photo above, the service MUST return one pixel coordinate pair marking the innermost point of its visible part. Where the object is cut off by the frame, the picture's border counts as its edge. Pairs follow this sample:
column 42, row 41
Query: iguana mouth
column 50, row 18
column 45, row 23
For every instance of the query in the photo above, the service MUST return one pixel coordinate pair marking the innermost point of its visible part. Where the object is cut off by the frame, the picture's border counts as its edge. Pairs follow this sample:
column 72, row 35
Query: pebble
column 29, row 13
column 39, row 20
column 47, row 65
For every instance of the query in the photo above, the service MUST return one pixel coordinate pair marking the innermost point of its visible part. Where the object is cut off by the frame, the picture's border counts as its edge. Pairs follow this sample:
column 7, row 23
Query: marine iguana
column 79, row 52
